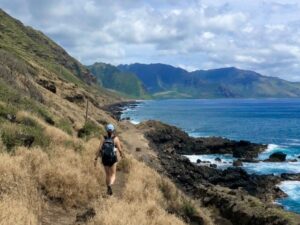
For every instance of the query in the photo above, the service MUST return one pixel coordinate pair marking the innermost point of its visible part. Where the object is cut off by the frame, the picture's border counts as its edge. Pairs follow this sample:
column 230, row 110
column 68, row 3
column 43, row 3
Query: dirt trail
column 56, row 214
column 53, row 214
column 134, row 142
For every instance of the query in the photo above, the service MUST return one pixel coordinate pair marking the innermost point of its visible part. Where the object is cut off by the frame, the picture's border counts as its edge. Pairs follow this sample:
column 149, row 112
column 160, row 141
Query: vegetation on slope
column 112, row 78
column 32, row 45
column 165, row 81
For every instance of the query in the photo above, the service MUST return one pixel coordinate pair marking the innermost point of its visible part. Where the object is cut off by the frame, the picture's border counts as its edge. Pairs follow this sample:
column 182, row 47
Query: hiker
column 108, row 151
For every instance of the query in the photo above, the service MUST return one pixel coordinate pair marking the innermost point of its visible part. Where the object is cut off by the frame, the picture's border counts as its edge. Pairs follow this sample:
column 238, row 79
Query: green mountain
column 165, row 81
column 123, row 82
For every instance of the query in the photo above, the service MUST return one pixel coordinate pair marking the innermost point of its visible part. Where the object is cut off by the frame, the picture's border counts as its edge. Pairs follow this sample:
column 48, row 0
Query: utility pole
column 87, row 110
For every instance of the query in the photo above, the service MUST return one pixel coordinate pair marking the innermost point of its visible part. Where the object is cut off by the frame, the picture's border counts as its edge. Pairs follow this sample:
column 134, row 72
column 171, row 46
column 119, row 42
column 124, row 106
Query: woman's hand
column 122, row 155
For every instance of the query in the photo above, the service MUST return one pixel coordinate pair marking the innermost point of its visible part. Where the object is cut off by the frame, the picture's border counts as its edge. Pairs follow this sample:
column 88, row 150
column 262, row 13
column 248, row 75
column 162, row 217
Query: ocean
column 275, row 122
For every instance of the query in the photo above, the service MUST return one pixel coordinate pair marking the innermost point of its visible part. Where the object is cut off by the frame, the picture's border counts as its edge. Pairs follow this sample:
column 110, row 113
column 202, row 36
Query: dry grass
column 61, row 174
column 69, row 177
column 144, row 202
column 20, row 201
column 121, row 212
column 15, row 211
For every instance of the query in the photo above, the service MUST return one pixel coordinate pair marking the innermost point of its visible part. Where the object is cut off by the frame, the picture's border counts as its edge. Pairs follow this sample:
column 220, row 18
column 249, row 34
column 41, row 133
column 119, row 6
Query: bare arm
column 118, row 144
column 98, row 152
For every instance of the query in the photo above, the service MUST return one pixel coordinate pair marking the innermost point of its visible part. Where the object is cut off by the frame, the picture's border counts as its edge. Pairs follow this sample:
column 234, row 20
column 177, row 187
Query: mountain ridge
column 215, row 83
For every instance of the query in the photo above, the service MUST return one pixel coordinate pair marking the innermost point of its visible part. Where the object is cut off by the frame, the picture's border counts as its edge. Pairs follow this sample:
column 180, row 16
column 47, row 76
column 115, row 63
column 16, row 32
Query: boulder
column 77, row 98
column 277, row 157
column 237, row 163
column 49, row 85
column 218, row 159
column 27, row 140
column 213, row 166
column 198, row 161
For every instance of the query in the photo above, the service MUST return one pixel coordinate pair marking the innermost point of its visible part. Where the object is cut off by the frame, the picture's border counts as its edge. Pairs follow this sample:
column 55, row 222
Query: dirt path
column 135, row 143
column 56, row 214
column 53, row 214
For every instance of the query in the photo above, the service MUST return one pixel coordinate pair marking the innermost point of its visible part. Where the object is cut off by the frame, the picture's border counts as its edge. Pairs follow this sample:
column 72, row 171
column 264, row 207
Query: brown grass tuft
column 119, row 212
column 20, row 201
column 15, row 211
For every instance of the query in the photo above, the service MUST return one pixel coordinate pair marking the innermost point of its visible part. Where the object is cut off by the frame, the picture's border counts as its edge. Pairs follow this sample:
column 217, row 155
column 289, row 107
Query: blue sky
column 260, row 35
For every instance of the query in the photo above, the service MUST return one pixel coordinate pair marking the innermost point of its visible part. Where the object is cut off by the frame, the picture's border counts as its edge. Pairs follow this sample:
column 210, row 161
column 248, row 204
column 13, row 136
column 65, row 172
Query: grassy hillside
column 112, row 78
column 32, row 45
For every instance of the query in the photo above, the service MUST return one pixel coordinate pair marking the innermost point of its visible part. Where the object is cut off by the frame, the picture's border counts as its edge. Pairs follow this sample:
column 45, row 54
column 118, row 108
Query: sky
column 259, row 35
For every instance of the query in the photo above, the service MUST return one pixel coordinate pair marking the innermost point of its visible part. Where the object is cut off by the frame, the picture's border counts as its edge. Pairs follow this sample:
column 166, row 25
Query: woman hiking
column 108, row 152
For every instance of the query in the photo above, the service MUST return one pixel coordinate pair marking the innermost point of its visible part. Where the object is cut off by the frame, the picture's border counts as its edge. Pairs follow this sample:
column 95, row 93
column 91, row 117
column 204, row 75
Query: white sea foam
column 272, row 147
column 291, row 188
column 273, row 168
column 135, row 122
column 226, row 159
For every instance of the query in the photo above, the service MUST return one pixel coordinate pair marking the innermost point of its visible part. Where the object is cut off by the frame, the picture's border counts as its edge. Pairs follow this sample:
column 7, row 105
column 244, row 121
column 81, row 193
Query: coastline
column 116, row 109
column 264, row 187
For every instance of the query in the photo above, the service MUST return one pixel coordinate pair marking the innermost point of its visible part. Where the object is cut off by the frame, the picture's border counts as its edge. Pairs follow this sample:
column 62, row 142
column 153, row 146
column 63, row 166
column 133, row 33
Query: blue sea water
column 270, row 121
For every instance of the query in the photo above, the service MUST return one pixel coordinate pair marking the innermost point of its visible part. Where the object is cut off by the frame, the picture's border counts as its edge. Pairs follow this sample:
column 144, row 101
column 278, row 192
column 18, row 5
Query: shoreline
column 272, row 182
column 116, row 109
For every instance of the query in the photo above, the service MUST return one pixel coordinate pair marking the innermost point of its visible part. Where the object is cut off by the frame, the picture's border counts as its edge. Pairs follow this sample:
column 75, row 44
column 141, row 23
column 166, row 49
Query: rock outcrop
column 174, row 139
column 115, row 110
column 277, row 157
column 233, row 191
column 49, row 85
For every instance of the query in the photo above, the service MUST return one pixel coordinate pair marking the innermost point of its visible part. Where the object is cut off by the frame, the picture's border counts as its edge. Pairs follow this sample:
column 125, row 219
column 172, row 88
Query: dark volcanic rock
column 204, row 182
column 237, row 163
column 27, row 140
column 77, row 98
column 277, row 157
column 163, row 136
column 166, row 136
column 218, row 159
column 198, row 161
column 288, row 176
column 49, row 85
column 116, row 109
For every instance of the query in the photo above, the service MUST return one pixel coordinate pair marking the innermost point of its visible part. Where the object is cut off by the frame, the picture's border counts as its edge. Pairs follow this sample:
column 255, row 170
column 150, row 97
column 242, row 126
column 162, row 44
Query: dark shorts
column 109, row 161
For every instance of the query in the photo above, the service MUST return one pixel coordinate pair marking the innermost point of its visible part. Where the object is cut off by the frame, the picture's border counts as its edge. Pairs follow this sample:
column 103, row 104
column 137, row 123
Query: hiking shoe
column 109, row 190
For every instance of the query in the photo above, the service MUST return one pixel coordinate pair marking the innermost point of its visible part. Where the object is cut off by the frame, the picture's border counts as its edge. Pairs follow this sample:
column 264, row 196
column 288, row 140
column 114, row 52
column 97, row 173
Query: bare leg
column 113, row 171
column 107, row 174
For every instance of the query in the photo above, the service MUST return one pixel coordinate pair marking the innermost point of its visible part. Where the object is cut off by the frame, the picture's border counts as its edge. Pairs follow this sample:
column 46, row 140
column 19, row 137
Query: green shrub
column 65, row 125
column 188, row 209
column 89, row 130
column 28, row 134
column 10, row 136
column 6, row 110
column 16, row 100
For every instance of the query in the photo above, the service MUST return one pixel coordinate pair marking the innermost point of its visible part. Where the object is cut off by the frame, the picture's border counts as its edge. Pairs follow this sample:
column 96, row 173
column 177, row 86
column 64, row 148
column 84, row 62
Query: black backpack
column 108, row 148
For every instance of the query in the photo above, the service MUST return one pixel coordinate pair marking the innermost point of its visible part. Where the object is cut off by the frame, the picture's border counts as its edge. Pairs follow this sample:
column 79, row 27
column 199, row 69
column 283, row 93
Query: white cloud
column 257, row 35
